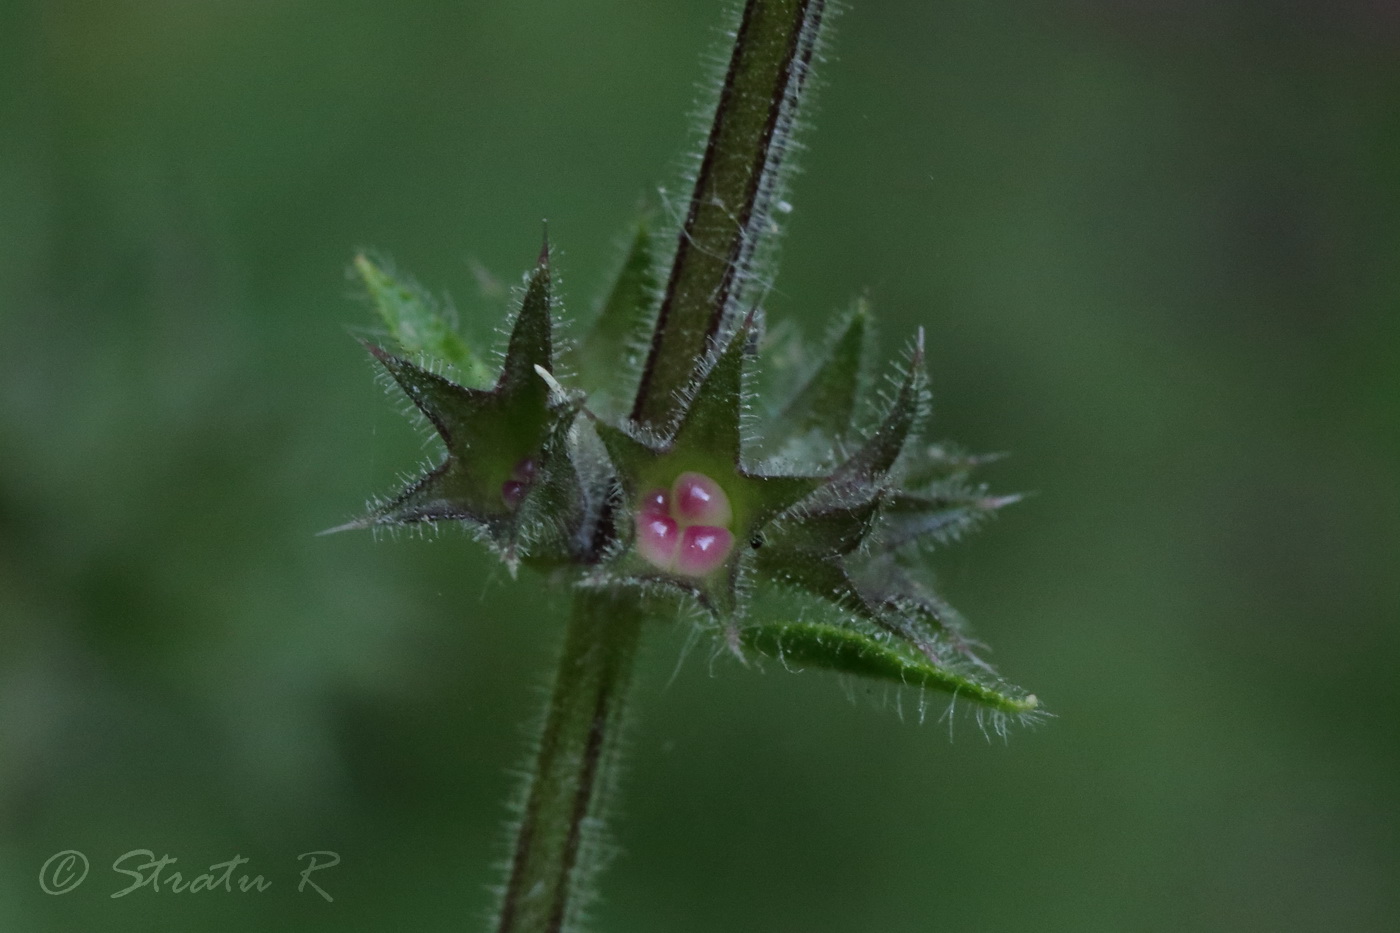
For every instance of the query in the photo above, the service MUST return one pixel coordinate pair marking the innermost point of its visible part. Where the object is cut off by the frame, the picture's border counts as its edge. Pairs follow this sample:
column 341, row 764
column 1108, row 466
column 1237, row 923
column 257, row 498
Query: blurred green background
column 1156, row 247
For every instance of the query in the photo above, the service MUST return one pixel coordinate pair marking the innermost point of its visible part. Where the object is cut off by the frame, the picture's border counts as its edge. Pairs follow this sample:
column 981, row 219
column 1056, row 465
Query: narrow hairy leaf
column 848, row 651
column 418, row 325
column 609, row 357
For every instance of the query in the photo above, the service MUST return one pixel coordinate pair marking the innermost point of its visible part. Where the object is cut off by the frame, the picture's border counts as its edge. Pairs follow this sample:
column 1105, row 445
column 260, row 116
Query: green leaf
column 848, row 651
column 417, row 324
column 609, row 358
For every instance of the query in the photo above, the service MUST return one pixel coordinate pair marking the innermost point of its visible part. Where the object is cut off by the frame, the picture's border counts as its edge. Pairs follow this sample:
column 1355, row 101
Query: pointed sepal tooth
column 488, row 435
column 630, row 453
column 449, row 406
column 823, row 577
column 712, row 417
column 531, row 337
column 932, row 464
column 877, row 456
column 442, row 494
column 907, row 607
column 823, row 529
column 939, row 519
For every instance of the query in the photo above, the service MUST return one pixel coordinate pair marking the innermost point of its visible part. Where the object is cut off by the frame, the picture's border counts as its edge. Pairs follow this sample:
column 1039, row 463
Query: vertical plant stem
column 728, row 213
column 738, row 178
column 551, row 863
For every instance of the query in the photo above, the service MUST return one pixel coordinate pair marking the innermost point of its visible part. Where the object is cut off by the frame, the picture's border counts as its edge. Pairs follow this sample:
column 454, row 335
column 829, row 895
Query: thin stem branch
column 552, row 859
column 736, row 182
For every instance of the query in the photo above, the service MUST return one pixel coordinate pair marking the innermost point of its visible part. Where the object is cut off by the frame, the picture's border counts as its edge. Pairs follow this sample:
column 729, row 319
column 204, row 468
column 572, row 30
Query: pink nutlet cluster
column 685, row 529
column 521, row 479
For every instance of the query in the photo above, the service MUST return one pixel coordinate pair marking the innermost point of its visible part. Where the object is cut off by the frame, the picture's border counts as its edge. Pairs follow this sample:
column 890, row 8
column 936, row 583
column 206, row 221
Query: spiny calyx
column 706, row 448
column 509, row 470
column 806, row 542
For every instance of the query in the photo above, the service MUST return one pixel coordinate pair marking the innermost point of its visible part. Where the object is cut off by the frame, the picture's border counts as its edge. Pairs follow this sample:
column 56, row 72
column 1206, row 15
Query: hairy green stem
column 729, row 208
column 552, row 858
column 738, row 178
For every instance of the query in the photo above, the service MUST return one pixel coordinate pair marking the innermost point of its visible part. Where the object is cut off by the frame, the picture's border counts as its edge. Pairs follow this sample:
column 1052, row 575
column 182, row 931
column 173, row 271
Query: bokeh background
column 1156, row 248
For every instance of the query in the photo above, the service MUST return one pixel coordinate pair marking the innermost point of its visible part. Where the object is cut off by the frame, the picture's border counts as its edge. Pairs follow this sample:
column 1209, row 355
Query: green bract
column 843, row 544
